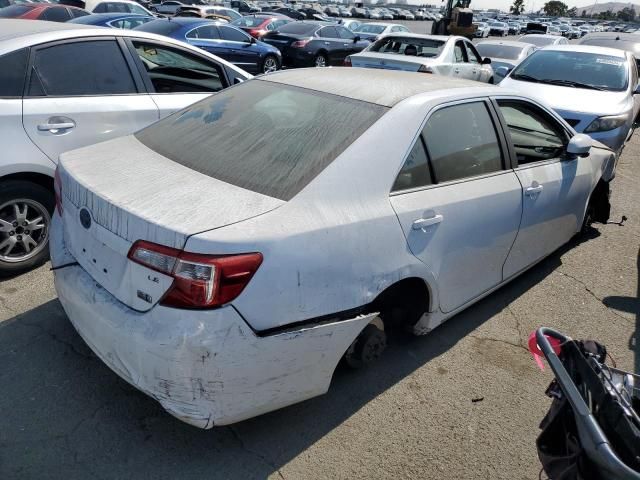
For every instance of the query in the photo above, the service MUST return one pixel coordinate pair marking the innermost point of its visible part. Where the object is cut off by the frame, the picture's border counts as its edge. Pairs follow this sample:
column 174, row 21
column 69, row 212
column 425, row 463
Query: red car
column 42, row 11
column 259, row 25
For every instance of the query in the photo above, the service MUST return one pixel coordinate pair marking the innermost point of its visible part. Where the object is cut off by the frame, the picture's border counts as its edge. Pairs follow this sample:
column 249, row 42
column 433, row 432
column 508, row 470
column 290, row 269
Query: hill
column 603, row 7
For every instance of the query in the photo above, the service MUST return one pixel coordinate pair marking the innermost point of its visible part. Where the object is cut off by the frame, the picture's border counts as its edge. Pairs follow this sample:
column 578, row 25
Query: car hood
column 571, row 99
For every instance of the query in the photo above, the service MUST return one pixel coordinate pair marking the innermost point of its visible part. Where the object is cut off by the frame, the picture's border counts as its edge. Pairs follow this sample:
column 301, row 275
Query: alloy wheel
column 24, row 229
column 270, row 65
column 321, row 61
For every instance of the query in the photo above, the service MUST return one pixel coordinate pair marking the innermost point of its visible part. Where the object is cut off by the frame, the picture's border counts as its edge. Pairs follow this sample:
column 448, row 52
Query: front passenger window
column 462, row 142
column 174, row 71
column 535, row 135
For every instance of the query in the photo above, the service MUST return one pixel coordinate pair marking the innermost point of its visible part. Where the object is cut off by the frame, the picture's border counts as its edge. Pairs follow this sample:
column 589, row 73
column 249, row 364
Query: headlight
column 604, row 124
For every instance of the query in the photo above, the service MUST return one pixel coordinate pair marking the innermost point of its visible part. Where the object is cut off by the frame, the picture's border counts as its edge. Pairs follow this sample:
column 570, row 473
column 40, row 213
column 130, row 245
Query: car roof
column 613, row 52
column 112, row 15
column 15, row 28
column 184, row 21
column 444, row 38
column 384, row 87
column 540, row 35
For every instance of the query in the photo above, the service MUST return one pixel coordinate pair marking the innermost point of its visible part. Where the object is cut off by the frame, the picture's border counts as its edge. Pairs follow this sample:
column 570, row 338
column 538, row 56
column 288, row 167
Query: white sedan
column 267, row 231
column 438, row 54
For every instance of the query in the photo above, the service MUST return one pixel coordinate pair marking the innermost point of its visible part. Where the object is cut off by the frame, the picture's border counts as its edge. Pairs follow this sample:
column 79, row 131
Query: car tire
column 320, row 60
column 34, row 203
column 269, row 64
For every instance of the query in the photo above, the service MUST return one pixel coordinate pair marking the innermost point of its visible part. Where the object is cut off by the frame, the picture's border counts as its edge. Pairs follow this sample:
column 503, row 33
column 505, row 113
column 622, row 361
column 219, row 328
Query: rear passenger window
column 100, row 65
column 13, row 68
column 462, row 142
column 535, row 135
column 460, row 54
column 415, row 171
column 55, row 14
column 328, row 32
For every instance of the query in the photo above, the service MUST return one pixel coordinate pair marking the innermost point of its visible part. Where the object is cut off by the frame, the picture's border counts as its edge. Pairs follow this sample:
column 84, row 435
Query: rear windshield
column 248, row 22
column 371, row 28
column 574, row 69
column 493, row 50
column 161, row 27
column 538, row 41
column 420, row 47
column 269, row 138
column 13, row 11
column 296, row 28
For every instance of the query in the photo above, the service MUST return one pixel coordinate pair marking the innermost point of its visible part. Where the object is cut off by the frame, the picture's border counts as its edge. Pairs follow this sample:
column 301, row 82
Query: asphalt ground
column 461, row 403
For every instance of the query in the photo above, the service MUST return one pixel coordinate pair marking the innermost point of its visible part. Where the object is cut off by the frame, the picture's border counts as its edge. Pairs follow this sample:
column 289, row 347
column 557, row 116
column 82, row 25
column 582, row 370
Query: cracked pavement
column 67, row 416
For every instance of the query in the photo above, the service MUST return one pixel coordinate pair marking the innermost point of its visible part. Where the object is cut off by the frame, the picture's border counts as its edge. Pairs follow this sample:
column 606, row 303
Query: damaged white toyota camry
column 224, row 259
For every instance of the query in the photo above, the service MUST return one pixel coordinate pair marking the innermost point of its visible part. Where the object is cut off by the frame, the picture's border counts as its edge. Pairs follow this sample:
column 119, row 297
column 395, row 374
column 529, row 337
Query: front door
column 555, row 189
column 458, row 203
column 80, row 93
column 176, row 78
column 246, row 52
column 461, row 63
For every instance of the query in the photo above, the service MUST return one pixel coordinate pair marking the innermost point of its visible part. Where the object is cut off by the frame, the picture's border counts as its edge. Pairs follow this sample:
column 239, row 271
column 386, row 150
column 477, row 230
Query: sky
column 505, row 4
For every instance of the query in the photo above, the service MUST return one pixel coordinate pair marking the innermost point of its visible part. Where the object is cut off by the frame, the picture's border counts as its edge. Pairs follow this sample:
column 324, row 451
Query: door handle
column 423, row 223
column 456, row 70
column 533, row 190
column 57, row 125
column 327, row 43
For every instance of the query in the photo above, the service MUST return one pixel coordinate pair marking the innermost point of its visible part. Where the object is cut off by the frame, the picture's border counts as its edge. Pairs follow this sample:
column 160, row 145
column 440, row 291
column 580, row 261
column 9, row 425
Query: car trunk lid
column 120, row 191
column 388, row 62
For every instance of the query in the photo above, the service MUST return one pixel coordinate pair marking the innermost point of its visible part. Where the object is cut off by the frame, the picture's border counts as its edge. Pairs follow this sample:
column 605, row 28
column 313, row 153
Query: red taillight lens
column 347, row 62
column 257, row 33
column 199, row 281
column 300, row 43
column 57, row 189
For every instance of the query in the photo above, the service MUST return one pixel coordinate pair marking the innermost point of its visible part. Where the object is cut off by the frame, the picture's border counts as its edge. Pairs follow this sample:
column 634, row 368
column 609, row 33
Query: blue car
column 221, row 39
column 127, row 21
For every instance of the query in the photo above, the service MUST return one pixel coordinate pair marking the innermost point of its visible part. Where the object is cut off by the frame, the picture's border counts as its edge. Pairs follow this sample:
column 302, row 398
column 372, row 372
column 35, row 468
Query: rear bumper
column 204, row 367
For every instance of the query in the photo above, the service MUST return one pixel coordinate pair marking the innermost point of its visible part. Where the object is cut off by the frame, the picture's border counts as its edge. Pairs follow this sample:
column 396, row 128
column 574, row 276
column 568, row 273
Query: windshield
column 269, row 138
column 538, row 41
column 420, row 47
column 248, row 22
column 161, row 27
column 498, row 51
column 370, row 28
column 577, row 69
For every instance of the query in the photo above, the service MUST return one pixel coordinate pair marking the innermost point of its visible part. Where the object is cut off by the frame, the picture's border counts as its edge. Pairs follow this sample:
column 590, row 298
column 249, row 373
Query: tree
column 518, row 7
column 572, row 12
column 555, row 8
column 584, row 14
column 627, row 14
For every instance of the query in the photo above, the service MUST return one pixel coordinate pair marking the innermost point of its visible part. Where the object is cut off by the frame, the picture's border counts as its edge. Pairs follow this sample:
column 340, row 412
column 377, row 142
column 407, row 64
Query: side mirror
column 503, row 71
column 486, row 61
column 356, row 38
column 579, row 146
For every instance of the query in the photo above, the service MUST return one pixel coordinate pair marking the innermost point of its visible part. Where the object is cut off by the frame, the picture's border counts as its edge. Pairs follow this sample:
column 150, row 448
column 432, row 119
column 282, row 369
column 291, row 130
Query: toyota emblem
column 85, row 218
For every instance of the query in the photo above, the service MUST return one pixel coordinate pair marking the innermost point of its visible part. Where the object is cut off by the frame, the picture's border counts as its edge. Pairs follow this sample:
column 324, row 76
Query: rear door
column 81, row 92
column 331, row 42
column 458, row 201
column 175, row 77
column 555, row 188
column 461, row 63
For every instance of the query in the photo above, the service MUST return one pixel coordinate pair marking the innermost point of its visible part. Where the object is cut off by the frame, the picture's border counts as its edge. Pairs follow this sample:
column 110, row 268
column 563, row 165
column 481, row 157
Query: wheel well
column 403, row 303
column 599, row 201
column 322, row 52
column 43, row 180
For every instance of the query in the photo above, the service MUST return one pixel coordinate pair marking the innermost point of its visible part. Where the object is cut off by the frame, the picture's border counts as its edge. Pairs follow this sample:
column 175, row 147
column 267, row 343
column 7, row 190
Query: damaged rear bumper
column 205, row 367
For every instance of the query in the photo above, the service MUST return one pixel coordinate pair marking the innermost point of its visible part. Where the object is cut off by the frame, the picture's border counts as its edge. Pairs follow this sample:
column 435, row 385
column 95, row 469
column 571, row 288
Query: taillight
column 199, row 281
column 257, row 33
column 300, row 43
column 57, row 189
column 425, row 69
column 347, row 62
